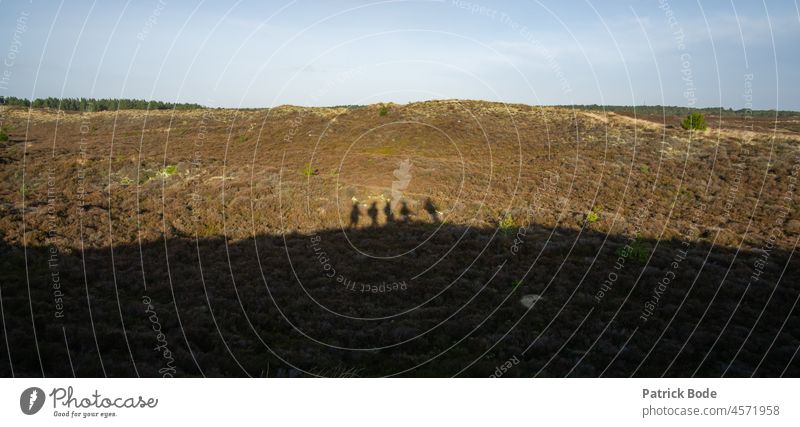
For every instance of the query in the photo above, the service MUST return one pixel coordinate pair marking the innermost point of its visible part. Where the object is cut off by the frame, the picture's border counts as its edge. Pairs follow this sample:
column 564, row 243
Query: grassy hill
column 436, row 238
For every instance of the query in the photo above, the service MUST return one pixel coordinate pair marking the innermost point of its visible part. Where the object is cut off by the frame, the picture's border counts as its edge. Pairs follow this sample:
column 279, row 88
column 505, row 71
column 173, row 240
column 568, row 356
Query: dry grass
column 472, row 167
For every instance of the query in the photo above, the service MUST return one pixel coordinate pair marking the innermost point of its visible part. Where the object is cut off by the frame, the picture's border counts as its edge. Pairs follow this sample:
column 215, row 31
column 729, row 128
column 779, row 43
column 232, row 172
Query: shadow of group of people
column 404, row 213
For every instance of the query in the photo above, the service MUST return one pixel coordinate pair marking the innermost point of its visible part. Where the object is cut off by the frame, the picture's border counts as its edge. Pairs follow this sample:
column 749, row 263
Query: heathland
column 428, row 239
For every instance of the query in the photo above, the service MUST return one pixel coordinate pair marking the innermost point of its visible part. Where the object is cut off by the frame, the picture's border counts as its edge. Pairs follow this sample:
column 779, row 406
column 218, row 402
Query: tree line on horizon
column 95, row 104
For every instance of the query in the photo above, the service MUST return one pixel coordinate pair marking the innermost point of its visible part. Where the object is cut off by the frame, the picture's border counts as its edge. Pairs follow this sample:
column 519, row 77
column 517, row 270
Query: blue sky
column 266, row 53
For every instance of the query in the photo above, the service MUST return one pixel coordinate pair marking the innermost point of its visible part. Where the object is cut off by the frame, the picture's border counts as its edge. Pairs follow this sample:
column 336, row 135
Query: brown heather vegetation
column 230, row 221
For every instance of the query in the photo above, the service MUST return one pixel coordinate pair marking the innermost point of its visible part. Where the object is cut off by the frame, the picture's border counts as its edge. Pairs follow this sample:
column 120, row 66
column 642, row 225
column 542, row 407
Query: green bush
column 695, row 121
column 638, row 250
column 168, row 171
column 308, row 171
column 384, row 110
column 3, row 134
column 507, row 223
column 594, row 215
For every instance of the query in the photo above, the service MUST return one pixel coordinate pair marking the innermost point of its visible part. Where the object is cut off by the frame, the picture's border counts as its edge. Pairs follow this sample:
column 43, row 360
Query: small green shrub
column 384, row 110
column 638, row 251
column 3, row 134
column 594, row 215
column 694, row 121
column 644, row 169
column 242, row 139
column 507, row 223
column 308, row 171
column 168, row 171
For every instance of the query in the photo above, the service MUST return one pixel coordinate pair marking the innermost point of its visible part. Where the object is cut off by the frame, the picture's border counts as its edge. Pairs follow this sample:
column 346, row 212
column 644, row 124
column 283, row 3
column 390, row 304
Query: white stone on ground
column 529, row 300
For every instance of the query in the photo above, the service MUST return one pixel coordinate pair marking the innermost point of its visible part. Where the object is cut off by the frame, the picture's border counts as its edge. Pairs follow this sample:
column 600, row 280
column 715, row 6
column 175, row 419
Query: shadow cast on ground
column 405, row 298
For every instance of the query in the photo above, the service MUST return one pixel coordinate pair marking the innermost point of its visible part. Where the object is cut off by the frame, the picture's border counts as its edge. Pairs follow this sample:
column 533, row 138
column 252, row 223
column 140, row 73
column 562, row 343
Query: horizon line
column 196, row 105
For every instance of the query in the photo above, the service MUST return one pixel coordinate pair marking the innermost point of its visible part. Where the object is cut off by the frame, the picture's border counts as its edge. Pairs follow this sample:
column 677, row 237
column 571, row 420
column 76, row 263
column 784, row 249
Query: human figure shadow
column 355, row 213
column 387, row 211
column 373, row 214
column 405, row 212
column 431, row 209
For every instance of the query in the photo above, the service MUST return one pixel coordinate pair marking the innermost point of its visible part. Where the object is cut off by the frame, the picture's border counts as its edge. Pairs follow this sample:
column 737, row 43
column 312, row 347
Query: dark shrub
column 696, row 121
